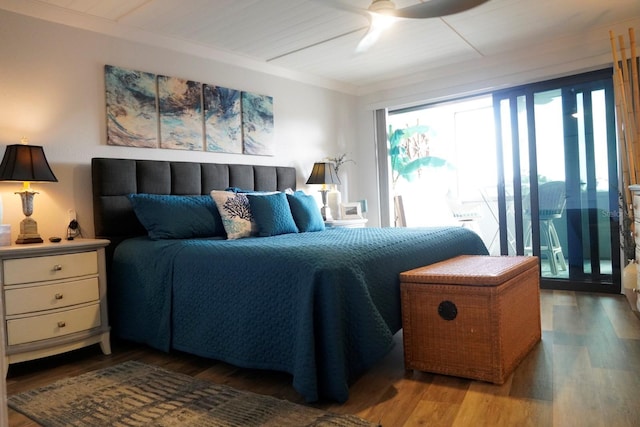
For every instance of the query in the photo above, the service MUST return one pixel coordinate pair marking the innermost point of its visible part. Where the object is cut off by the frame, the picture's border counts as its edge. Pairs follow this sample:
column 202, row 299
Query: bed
column 322, row 305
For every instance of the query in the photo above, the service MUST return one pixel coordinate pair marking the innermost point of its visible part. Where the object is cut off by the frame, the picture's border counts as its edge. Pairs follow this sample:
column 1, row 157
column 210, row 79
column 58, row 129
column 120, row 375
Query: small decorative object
column 5, row 235
column 340, row 160
column 363, row 207
column 351, row 210
column 26, row 163
column 335, row 198
column 324, row 173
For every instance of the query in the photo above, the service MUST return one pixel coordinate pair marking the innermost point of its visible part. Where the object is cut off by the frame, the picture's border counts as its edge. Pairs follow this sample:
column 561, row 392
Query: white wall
column 52, row 91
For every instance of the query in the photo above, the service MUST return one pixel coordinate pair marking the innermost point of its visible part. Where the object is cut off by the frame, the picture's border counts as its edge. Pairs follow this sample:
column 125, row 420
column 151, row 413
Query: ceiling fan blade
column 436, row 8
column 377, row 25
column 369, row 39
column 382, row 14
column 338, row 4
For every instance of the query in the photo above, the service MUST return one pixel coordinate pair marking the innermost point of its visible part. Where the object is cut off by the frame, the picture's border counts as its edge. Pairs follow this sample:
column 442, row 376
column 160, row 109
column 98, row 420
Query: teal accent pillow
column 177, row 217
column 305, row 211
column 272, row 214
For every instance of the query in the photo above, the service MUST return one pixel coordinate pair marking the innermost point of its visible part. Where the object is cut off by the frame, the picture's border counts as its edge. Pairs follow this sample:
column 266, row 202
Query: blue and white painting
column 132, row 118
column 222, row 119
column 181, row 119
column 257, row 124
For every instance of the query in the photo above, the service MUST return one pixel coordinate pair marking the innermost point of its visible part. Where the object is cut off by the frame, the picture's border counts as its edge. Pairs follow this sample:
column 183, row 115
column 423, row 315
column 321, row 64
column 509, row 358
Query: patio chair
column 552, row 202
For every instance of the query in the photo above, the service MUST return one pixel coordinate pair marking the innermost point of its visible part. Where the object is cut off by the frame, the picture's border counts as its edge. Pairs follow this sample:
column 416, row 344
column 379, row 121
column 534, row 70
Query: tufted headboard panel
column 114, row 179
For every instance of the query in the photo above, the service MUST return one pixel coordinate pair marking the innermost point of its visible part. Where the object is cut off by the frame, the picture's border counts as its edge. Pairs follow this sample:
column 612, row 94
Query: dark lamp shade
column 25, row 163
column 323, row 173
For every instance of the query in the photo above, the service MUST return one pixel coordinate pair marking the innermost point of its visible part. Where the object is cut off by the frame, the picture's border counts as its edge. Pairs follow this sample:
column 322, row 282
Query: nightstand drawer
column 46, row 297
column 39, row 269
column 35, row 328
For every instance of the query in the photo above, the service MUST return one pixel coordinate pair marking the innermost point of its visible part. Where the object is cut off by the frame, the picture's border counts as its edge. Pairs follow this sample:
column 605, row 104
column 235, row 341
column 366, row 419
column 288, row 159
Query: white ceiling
column 312, row 38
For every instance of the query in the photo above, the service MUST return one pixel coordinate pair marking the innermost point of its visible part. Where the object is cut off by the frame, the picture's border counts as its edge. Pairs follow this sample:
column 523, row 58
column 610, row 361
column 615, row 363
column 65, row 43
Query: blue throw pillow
column 306, row 212
column 272, row 214
column 177, row 217
column 242, row 190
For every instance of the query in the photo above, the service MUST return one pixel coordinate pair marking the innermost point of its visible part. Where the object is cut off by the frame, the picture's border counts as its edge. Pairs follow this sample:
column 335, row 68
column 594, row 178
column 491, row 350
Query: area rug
column 136, row 394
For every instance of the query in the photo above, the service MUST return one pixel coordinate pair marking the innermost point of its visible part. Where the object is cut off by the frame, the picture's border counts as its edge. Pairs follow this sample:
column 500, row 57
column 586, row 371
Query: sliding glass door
column 557, row 192
column 533, row 170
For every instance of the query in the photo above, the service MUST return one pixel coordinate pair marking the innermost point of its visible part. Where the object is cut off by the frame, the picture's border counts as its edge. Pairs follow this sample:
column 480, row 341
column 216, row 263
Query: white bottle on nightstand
column 334, row 199
column 5, row 229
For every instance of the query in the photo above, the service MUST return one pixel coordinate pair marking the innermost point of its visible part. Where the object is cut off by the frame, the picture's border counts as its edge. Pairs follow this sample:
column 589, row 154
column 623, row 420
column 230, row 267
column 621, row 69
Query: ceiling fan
column 383, row 13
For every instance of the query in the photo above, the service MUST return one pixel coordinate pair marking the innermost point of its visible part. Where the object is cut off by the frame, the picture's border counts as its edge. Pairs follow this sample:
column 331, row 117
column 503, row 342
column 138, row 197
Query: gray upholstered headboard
column 114, row 179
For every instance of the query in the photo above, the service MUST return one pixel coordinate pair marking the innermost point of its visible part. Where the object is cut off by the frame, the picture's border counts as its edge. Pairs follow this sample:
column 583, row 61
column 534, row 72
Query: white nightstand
column 4, row 420
column 55, row 298
column 346, row 223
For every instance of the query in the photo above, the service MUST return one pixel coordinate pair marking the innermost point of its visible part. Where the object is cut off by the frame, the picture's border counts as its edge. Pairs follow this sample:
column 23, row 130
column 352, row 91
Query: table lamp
column 324, row 173
column 26, row 163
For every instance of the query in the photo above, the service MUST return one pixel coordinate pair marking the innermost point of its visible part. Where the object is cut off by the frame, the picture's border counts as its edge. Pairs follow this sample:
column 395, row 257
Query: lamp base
column 325, row 210
column 28, row 232
column 27, row 239
column 326, row 213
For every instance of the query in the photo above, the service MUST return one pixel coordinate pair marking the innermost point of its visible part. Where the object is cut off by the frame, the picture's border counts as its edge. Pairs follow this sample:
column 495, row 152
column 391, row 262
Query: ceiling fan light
column 382, row 22
column 383, row 7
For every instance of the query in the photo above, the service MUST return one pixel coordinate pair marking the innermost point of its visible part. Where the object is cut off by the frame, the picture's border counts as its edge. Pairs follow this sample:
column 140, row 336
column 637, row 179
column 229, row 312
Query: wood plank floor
column 585, row 372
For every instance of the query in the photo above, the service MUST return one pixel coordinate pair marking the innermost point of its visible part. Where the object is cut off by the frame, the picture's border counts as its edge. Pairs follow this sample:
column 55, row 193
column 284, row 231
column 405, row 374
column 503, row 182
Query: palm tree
column 409, row 152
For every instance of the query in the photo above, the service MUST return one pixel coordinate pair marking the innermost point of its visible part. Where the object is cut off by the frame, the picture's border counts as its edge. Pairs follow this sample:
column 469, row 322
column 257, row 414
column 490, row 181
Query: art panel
column 222, row 119
column 180, row 108
column 132, row 118
column 149, row 110
column 257, row 124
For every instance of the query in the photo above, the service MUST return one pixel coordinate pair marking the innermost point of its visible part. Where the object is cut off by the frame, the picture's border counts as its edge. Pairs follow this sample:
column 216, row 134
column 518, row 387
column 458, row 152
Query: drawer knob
column 58, row 296
column 62, row 324
column 57, row 267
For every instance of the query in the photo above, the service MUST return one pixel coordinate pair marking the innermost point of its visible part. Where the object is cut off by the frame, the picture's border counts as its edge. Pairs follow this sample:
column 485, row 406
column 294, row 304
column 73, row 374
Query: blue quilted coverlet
column 322, row 306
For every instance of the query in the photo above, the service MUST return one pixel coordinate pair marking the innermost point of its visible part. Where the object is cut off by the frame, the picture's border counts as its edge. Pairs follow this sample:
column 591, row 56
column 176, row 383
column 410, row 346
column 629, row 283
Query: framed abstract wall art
column 156, row 111
column 180, row 107
column 222, row 119
column 132, row 111
column 257, row 124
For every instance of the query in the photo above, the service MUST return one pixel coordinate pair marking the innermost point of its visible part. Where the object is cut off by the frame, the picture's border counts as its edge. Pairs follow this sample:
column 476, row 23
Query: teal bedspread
column 321, row 306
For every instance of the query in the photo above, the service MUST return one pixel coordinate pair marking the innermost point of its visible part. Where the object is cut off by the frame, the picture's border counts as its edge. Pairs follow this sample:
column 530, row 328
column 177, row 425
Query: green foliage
column 403, row 163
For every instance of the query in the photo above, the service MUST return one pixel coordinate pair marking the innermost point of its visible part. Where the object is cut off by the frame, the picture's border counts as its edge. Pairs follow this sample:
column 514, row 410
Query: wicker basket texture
column 473, row 316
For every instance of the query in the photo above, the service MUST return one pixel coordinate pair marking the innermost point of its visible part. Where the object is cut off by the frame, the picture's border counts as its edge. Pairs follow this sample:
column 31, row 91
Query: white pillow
column 235, row 213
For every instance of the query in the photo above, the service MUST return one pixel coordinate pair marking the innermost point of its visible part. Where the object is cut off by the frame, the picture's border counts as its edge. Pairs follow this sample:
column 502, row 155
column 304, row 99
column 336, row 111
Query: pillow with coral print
column 235, row 213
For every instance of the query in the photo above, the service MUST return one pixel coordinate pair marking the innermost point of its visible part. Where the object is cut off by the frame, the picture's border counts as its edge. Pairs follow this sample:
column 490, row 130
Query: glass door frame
column 578, row 280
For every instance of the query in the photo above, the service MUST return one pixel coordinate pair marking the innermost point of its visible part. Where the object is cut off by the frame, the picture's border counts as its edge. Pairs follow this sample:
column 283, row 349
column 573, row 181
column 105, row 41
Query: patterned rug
column 135, row 394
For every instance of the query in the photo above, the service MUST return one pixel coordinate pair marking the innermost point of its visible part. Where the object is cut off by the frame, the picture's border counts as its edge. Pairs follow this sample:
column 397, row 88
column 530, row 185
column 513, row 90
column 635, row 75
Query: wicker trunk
column 472, row 316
